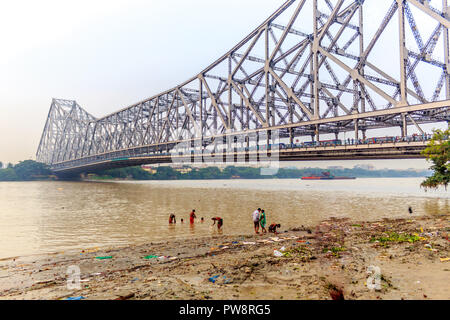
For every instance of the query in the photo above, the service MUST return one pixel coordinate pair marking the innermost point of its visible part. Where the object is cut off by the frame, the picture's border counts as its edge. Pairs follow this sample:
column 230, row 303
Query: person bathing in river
column 262, row 221
column 273, row 227
column 172, row 219
column 219, row 222
column 192, row 216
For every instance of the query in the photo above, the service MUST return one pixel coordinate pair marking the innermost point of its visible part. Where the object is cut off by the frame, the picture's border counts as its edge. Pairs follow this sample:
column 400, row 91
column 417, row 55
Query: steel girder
column 309, row 69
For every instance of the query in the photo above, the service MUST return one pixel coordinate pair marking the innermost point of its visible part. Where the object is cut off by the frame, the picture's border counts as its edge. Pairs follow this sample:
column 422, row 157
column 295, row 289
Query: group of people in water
column 258, row 216
column 192, row 217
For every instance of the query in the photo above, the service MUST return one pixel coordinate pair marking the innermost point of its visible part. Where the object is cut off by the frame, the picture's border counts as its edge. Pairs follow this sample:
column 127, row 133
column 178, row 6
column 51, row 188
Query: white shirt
column 256, row 216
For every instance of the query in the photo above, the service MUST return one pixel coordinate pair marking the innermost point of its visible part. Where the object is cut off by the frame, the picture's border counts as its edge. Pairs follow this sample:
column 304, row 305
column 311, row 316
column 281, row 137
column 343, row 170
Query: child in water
column 172, row 219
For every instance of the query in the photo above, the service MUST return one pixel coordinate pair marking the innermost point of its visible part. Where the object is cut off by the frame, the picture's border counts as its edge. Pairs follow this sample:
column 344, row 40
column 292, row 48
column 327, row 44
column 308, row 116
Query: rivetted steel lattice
column 310, row 69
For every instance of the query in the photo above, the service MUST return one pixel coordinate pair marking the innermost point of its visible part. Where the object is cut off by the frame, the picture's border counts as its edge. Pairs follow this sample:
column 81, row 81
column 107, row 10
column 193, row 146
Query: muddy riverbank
column 338, row 258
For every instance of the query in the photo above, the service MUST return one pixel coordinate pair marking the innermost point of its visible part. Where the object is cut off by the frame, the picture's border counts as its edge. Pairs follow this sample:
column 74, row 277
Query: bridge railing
column 151, row 154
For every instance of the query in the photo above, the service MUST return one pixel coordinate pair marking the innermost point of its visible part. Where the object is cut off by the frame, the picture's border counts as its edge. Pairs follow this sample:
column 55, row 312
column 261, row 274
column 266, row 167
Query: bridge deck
column 397, row 150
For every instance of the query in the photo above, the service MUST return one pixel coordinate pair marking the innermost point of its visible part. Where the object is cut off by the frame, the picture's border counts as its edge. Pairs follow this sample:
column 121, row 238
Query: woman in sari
column 262, row 221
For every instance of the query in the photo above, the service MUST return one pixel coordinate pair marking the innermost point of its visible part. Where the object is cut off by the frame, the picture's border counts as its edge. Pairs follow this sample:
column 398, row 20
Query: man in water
column 172, row 219
column 255, row 217
column 273, row 227
column 192, row 216
column 219, row 222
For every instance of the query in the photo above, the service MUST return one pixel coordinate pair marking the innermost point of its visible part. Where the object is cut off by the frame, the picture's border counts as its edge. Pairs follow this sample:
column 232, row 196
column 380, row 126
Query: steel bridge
column 312, row 75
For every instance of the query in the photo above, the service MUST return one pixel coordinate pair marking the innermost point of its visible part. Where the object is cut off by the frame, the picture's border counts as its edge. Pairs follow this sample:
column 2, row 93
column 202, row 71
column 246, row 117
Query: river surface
column 43, row 217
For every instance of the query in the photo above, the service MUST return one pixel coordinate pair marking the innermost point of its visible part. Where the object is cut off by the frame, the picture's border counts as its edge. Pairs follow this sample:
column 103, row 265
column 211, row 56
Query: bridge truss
column 314, row 68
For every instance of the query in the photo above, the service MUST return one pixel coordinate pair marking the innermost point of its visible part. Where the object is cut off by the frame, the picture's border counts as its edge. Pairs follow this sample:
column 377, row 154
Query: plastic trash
column 104, row 258
column 150, row 257
column 213, row 279
column 277, row 253
column 282, row 249
column 75, row 298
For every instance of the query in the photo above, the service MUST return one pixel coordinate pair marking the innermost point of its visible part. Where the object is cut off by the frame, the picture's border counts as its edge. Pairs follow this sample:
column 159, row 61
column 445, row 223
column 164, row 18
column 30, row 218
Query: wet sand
column 322, row 262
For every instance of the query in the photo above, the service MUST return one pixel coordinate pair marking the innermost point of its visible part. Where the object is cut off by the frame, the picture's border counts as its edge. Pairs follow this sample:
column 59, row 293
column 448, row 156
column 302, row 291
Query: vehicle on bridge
column 326, row 143
column 381, row 140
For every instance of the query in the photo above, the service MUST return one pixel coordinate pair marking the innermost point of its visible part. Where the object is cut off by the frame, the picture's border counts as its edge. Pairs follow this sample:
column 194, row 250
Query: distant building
column 184, row 170
column 148, row 168
column 335, row 168
column 364, row 167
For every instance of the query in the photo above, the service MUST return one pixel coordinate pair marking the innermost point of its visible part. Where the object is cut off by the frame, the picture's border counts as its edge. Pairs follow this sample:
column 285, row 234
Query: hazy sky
column 109, row 54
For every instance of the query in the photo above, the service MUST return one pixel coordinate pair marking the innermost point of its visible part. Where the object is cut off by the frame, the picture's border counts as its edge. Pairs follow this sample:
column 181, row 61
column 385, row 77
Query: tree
column 31, row 170
column 438, row 152
column 8, row 175
column 1, row 165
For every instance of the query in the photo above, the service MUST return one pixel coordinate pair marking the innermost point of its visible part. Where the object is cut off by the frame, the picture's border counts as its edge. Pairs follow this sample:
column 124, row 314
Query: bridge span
column 265, row 156
column 314, row 71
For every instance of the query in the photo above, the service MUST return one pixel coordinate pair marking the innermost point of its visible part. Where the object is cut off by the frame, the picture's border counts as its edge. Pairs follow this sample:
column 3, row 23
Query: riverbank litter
column 330, row 262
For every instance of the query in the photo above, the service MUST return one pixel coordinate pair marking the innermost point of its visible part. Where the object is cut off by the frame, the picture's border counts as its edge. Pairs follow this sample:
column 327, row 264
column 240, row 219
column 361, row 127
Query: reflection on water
column 38, row 217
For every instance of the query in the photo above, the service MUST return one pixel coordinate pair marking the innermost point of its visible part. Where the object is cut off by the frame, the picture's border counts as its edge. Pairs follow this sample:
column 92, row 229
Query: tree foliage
column 438, row 152
column 8, row 175
column 25, row 171
column 230, row 172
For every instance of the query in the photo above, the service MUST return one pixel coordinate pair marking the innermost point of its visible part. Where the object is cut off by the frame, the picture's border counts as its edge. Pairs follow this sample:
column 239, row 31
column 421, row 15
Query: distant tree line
column 209, row 173
column 31, row 170
column 27, row 170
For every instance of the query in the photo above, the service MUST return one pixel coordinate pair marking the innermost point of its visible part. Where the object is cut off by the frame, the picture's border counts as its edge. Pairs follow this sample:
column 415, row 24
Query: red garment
column 192, row 217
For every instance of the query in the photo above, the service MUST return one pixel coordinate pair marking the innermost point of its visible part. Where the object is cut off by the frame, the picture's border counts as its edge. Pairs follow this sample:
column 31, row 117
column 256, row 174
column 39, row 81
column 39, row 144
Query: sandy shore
column 319, row 262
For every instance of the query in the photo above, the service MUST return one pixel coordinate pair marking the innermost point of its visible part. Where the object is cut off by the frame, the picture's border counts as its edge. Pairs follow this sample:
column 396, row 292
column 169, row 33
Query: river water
column 43, row 217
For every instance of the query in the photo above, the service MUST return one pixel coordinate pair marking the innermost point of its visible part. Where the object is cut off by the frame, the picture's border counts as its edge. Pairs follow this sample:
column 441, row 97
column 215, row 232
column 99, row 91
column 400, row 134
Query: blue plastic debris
column 213, row 279
column 75, row 298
